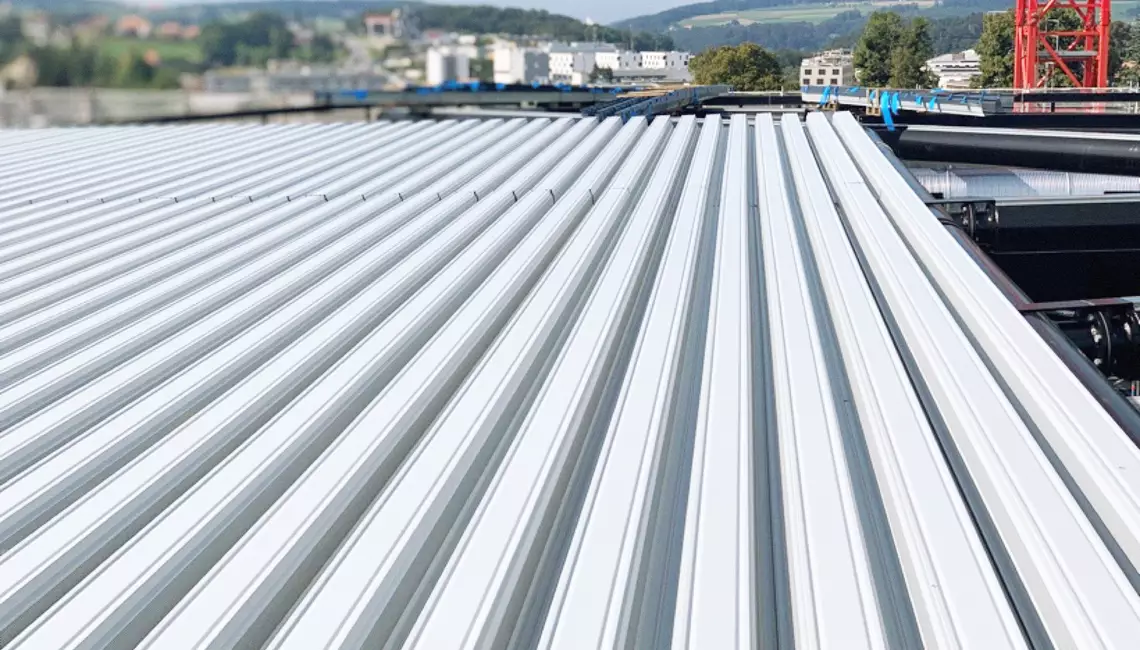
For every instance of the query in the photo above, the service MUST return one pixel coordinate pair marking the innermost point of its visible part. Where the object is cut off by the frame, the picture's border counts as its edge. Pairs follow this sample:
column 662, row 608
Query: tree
column 258, row 38
column 911, row 52
column 995, row 49
column 134, row 71
column 11, row 38
column 322, row 49
column 745, row 67
column 531, row 22
column 601, row 75
column 1124, row 48
column 874, row 52
column 482, row 69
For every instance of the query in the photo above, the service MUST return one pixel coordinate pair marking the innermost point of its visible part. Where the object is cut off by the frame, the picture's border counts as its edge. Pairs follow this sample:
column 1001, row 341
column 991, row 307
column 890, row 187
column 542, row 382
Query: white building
column 830, row 68
column 444, row 64
column 955, row 70
column 665, row 60
column 521, row 65
column 620, row 60
column 573, row 63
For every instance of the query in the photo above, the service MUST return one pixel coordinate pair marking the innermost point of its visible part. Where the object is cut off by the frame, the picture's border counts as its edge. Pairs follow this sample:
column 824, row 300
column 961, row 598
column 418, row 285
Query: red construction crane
column 1046, row 42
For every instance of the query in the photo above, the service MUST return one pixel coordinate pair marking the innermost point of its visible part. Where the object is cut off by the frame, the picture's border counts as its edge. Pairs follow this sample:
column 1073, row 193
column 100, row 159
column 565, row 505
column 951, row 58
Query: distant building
column 170, row 30
column 385, row 29
column 92, row 28
column 830, row 68
column 955, row 70
column 134, row 25
column 521, row 65
column 573, row 63
column 36, row 28
column 654, row 67
column 447, row 64
column 18, row 73
column 621, row 60
column 301, row 35
column 665, row 60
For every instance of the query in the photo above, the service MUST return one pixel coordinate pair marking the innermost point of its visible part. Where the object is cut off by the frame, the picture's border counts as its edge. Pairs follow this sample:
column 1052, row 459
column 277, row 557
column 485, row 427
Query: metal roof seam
column 947, row 574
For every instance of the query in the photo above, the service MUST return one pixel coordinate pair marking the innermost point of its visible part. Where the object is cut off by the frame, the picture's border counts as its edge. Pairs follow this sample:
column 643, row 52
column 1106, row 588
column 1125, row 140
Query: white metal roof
column 530, row 383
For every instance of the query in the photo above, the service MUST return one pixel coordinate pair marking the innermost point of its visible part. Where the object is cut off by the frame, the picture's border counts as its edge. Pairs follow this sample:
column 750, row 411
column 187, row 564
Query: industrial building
column 521, row 65
column 694, row 382
column 955, row 70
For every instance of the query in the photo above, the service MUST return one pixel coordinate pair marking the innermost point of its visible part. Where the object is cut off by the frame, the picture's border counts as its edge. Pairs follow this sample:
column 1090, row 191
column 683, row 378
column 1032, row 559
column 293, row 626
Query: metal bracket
column 977, row 217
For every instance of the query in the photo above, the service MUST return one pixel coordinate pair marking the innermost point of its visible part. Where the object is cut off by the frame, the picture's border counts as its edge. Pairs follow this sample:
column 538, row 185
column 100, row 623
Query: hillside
column 752, row 12
column 482, row 19
column 204, row 12
column 476, row 19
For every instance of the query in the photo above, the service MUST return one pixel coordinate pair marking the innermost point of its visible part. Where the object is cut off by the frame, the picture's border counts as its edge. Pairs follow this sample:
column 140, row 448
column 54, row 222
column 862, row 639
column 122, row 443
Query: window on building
column 834, row 82
column 819, row 82
column 835, row 71
column 806, row 82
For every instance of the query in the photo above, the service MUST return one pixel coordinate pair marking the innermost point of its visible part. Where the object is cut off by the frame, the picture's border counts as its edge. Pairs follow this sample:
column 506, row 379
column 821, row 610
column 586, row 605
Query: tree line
column 82, row 65
column 532, row 22
column 260, row 37
column 252, row 41
column 891, row 51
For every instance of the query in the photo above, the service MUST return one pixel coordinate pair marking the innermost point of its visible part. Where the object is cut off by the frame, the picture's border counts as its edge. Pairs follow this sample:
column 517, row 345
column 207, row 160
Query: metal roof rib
column 1079, row 597
column 612, row 604
column 956, row 594
column 1090, row 450
column 834, row 599
column 716, row 600
column 530, row 383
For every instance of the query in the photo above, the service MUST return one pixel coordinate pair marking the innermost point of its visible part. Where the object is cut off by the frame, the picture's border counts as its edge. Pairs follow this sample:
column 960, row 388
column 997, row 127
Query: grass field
column 168, row 50
column 795, row 13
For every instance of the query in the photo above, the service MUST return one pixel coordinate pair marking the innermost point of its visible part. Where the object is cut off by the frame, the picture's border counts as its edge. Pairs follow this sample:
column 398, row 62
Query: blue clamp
column 885, row 108
column 823, row 97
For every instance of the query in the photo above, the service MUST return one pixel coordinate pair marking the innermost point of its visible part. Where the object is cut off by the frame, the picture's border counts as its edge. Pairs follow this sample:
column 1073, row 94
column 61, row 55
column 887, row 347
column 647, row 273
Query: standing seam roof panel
column 529, row 384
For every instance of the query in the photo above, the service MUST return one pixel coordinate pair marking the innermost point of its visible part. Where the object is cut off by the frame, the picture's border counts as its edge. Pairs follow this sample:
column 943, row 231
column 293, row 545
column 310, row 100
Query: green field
column 169, row 50
column 795, row 13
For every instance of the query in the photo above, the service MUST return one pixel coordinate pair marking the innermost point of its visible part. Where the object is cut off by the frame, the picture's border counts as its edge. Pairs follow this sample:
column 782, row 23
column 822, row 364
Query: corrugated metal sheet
column 530, row 383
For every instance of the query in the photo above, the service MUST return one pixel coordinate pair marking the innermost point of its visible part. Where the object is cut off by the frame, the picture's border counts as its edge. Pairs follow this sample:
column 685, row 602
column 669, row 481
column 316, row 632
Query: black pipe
column 1117, row 405
column 1100, row 122
column 1034, row 150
